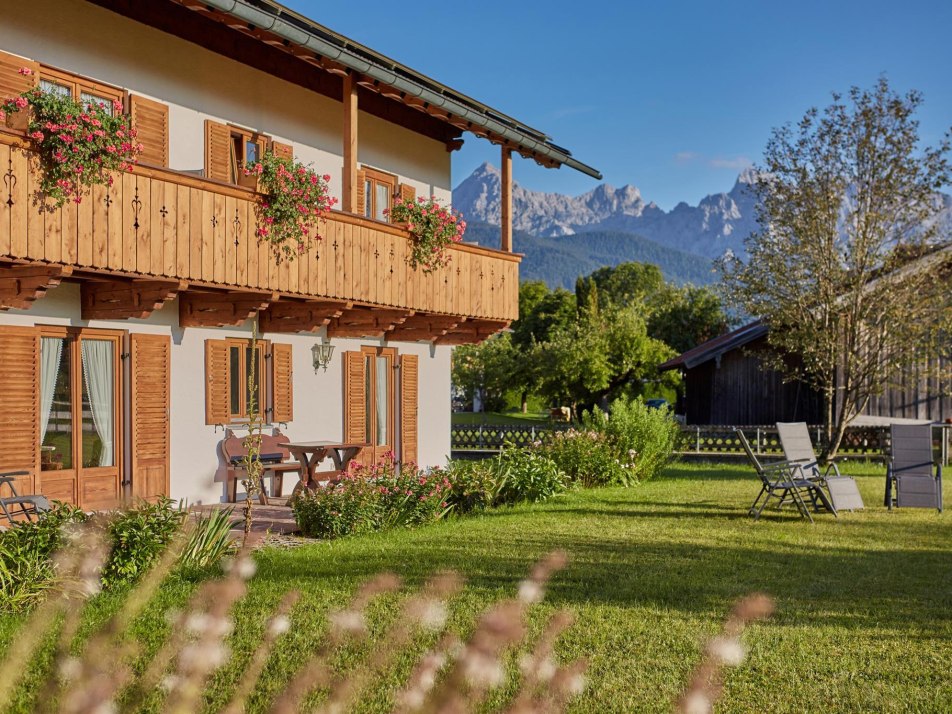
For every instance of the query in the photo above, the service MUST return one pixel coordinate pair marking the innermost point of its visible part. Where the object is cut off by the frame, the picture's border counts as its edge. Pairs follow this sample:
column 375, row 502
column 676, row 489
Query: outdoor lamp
column 322, row 354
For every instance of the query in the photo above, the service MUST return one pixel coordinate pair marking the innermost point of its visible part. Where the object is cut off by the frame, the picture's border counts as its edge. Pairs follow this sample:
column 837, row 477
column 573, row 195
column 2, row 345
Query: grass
column 499, row 419
column 864, row 602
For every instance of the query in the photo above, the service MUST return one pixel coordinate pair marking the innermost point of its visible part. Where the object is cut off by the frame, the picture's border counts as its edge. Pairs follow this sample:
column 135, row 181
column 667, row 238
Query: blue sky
column 674, row 97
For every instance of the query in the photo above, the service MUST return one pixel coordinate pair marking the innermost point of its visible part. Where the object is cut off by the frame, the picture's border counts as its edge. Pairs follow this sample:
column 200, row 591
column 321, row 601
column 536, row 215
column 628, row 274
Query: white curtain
column 51, row 351
column 99, row 376
column 383, row 392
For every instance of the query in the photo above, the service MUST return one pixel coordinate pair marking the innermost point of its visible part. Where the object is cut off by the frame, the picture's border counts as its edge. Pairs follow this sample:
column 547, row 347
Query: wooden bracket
column 220, row 308
column 123, row 299
column 425, row 328
column 367, row 322
column 300, row 316
column 20, row 285
column 472, row 332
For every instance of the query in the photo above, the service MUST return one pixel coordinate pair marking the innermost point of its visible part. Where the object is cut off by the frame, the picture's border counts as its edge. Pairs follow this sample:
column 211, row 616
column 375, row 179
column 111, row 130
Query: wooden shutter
column 151, row 121
column 151, row 371
column 282, row 151
column 355, row 403
column 20, row 406
column 217, row 151
column 407, row 193
column 409, row 401
column 216, row 382
column 282, row 399
column 361, row 208
column 12, row 83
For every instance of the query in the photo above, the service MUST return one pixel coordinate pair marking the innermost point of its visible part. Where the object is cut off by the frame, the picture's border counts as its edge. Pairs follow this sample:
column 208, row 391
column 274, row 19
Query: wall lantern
column 322, row 354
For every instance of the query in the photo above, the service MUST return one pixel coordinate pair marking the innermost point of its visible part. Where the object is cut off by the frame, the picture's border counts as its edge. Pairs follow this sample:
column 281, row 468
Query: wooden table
column 311, row 453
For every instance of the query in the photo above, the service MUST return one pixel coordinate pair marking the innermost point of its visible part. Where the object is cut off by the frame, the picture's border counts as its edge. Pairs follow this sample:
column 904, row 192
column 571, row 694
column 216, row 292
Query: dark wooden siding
column 736, row 390
column 923, row 392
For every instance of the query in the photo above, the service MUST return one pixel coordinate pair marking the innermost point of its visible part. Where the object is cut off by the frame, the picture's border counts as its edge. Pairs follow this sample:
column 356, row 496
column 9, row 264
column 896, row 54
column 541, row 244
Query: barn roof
column 712, row 349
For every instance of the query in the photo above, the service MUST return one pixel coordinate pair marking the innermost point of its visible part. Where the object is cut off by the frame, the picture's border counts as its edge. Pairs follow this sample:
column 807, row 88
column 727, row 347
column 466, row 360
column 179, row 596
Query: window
column 378, row 190
column 246, row 149
column 79, row 88
column 228, row 149
column 242, row 401
column 229, row 397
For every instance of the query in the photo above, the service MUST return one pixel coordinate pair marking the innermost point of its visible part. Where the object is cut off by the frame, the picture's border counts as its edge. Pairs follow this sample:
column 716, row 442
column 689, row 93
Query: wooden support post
column 505, row 218
column 349, row 187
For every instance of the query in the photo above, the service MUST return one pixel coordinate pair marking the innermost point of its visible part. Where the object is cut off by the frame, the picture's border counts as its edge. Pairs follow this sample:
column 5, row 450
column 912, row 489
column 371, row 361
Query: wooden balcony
column 157, row 234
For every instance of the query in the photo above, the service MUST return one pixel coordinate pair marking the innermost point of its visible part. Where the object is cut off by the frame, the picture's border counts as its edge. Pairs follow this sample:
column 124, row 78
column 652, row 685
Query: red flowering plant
column 295, row 199
column 80, row 144
column 432, row 227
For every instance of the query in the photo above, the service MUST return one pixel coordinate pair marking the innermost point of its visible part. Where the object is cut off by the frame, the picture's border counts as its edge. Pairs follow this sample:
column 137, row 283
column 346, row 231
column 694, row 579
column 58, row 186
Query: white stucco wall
column 318, row 397
column 79, row 37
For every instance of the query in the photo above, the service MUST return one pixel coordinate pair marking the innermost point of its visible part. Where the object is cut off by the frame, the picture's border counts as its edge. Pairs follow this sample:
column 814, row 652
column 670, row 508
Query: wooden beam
column 300, row 315
column 349, row 186
column 367, row 322
column 20, row 285
column 124, row 299
column 505, row 219
column 472, row 332
column 424, row 327
column 220, row 308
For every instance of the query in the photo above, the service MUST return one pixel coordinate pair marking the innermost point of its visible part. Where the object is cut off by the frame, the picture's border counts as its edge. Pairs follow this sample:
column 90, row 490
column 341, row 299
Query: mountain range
column 718, row 223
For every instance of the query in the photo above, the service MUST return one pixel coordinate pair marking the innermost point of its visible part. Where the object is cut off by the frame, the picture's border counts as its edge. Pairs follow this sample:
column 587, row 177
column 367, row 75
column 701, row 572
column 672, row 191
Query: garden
column 589, row 573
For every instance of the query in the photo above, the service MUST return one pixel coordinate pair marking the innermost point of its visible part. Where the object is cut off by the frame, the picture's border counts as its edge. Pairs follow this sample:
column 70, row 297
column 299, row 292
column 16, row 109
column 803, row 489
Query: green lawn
column 514, row 418
column 864, row 603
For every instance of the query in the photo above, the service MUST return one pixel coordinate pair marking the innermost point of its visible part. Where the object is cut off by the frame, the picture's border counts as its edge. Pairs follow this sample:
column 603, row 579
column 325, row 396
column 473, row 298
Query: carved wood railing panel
column 160, row 223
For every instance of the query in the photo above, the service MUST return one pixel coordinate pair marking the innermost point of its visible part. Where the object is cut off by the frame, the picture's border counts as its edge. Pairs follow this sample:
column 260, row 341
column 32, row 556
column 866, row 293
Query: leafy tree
column 629, row 283
column 541, row 312
column 843, row 268
column 597, row 358
column 486, row 369
column 685, row 317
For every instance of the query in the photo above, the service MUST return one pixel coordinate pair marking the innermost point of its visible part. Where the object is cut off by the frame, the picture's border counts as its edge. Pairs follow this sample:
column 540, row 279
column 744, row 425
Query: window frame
column 264, row 380
column 79, row 84
column 373, row 177
column 241, row 136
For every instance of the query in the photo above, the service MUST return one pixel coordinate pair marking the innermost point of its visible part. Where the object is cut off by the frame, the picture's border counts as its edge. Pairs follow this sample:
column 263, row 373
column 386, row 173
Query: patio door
column 370, row 406
column 80, row 419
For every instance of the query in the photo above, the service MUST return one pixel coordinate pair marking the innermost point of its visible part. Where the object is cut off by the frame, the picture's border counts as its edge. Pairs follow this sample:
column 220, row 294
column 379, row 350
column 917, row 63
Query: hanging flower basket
column 80, row 145
column 294, row 198
column 432, row 228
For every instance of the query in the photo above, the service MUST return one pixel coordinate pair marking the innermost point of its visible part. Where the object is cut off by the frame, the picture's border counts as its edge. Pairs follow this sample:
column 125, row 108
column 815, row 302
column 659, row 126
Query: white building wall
column 196, row 474
column 196, row 83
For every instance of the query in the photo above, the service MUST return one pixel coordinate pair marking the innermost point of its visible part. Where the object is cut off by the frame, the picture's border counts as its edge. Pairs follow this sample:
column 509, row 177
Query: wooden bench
column 274, row 457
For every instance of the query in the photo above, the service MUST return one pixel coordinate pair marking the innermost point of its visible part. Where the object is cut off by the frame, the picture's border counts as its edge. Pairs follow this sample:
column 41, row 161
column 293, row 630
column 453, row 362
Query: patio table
column 311, row 453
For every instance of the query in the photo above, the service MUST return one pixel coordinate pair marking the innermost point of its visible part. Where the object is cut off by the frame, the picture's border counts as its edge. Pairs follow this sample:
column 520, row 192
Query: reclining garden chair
column 798, row 448
column 29, row 507
column 910, row 469
column 781, row 480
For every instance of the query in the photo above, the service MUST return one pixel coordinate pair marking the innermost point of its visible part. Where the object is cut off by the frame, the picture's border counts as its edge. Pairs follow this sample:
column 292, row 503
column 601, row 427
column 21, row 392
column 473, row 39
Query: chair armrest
column 785, row 464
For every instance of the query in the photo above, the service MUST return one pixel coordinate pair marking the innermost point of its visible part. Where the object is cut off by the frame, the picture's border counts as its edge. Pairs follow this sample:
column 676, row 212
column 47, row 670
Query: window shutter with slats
column 216, row 382
column 20, row 406
column 355, row 402
column 409, row 405
column 150, row 370
column 407, row 193
column 151, row 121
column 282, row 399
column 217, row 151
column 361, row 208
column 12, row 83
column 282, row 151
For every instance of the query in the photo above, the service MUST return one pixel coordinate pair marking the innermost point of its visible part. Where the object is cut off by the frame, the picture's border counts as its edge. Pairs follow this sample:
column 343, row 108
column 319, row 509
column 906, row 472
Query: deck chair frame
column 29, row 507
column 798, row 447
column 779, row 481
column 912, row 473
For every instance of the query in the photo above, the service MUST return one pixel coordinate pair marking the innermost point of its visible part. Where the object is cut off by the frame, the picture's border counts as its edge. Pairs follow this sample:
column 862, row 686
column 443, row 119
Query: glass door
column 80, row 417
column 380, row 395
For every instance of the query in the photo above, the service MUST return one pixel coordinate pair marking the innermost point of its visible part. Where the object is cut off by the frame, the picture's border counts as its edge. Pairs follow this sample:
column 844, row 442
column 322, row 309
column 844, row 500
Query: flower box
column 249, row 181
column 18, row 121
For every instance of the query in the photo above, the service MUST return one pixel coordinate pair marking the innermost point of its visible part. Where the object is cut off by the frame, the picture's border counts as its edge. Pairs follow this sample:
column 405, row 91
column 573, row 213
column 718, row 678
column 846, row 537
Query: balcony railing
column 163, row 224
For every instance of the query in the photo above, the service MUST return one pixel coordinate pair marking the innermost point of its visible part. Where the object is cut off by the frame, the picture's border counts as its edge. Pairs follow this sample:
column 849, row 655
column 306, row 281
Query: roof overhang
column 320, row 49
column 712, row 349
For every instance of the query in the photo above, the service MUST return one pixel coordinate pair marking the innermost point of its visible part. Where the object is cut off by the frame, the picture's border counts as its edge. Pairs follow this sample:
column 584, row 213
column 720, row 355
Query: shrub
column 371, row 498
column 474, row 485
column 586, row 457
column 432, row 228
column 527, row 475
column 642, row 439
column 209, row 540
column 139, row 535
